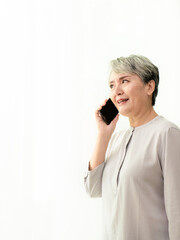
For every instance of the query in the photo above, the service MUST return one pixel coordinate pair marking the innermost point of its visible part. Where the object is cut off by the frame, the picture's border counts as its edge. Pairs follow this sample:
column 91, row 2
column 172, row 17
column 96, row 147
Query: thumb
column 115, row 120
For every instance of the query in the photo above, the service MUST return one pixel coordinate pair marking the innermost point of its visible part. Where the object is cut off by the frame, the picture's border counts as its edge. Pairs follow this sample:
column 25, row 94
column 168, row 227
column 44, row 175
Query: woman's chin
column 124, row 113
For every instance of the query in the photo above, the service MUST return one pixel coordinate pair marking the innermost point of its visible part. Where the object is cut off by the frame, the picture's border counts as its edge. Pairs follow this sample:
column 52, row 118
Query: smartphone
column 108, row 112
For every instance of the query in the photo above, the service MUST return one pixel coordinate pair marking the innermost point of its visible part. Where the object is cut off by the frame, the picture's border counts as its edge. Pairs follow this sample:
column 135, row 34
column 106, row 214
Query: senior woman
column 137, row 171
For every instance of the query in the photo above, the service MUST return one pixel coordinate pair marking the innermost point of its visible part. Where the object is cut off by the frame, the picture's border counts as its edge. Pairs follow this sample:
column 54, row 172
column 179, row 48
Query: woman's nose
column 118, row 90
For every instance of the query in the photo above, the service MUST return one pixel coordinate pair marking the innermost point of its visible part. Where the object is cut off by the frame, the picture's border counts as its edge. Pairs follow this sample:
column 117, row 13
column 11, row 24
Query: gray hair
column 139, row 65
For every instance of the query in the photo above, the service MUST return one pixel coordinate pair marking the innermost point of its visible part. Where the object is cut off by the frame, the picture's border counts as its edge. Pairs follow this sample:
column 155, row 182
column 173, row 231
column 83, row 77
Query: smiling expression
column 128, row 92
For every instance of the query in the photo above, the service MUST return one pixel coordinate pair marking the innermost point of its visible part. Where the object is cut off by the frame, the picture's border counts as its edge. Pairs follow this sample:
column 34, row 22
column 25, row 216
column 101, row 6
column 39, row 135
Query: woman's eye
column 124, row 80
column 111, row 85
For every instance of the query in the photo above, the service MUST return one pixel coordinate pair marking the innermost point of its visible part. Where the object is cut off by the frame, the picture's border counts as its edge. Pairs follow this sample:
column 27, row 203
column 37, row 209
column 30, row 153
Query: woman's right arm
column 93, row 178
column 104, row 134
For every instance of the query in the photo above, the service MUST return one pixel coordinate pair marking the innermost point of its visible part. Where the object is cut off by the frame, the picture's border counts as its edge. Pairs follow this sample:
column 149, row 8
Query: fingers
column 102, row 104
column 100, row 107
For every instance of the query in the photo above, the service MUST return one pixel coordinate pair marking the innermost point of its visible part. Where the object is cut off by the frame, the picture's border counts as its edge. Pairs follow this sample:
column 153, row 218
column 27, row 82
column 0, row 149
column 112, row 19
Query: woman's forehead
column 119, row 76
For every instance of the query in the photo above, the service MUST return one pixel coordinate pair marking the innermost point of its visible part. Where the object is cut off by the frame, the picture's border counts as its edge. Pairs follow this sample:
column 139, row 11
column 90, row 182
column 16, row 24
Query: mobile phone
column 108, row 112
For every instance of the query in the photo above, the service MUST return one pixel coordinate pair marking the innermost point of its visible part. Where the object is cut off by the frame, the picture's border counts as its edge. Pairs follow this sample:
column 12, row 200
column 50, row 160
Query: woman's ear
column 150, row 87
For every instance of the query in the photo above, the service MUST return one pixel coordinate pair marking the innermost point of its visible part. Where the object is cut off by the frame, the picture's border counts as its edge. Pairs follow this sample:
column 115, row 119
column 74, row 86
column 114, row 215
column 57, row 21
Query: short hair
column 139, row 65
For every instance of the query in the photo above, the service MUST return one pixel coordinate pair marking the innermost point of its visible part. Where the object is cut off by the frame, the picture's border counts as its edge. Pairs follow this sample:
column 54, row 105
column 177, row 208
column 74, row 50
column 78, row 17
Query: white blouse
column 139, row 183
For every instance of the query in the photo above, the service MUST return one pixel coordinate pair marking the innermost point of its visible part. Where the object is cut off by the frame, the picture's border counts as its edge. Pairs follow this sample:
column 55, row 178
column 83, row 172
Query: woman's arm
column 171, row 173
column 98, row 155
column 104, row 134
column 93, row 177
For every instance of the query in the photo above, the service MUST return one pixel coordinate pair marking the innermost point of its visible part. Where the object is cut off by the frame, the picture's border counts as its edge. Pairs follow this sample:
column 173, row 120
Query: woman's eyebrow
column 124, row 77
column 112, row 81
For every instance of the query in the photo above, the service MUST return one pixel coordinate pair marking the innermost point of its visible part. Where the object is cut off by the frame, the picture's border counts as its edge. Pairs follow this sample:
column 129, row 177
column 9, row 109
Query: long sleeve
column 93, row 181
column 171, row 174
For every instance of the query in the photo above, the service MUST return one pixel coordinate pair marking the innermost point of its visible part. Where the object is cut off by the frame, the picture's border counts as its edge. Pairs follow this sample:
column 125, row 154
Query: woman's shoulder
column 165, row 125
column 166, row 129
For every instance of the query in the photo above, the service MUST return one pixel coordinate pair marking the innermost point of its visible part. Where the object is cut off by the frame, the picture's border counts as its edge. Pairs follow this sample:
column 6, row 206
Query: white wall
column 54, row 58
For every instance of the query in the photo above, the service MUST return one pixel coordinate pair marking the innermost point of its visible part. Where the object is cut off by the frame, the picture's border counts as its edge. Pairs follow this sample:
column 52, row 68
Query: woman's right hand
column 103, row 128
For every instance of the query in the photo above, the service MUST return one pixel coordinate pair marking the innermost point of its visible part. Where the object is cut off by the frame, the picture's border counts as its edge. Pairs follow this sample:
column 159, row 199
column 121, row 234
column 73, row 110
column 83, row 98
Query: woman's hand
column 103, row 128
column 104, row 134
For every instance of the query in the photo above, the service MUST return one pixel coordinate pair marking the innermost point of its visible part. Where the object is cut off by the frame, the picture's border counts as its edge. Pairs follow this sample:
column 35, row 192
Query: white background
column 54, row 65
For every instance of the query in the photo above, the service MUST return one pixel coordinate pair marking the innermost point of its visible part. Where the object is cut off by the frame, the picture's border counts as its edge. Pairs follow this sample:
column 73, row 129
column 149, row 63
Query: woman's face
column 130, row 95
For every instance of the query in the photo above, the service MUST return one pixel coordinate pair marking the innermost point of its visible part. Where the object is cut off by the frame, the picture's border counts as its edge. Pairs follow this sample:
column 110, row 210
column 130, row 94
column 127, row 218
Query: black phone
column 108, row 112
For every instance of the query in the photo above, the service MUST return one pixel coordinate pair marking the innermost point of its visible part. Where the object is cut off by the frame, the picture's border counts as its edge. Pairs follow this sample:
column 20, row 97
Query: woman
column 136, row 172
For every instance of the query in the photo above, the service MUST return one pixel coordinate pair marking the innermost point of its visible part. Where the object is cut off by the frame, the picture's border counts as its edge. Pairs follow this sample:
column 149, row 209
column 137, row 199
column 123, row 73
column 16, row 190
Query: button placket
column 122, row 156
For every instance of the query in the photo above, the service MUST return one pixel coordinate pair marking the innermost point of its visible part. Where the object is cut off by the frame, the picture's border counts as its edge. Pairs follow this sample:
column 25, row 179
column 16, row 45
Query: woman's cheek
column 113, row 98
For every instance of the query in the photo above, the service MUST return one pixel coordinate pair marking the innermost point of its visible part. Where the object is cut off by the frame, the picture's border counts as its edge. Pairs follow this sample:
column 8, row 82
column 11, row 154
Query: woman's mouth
column 122, row 101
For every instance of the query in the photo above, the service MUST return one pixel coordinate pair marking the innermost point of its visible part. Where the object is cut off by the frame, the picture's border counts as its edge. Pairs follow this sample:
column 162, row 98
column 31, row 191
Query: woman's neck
column 142, row 118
